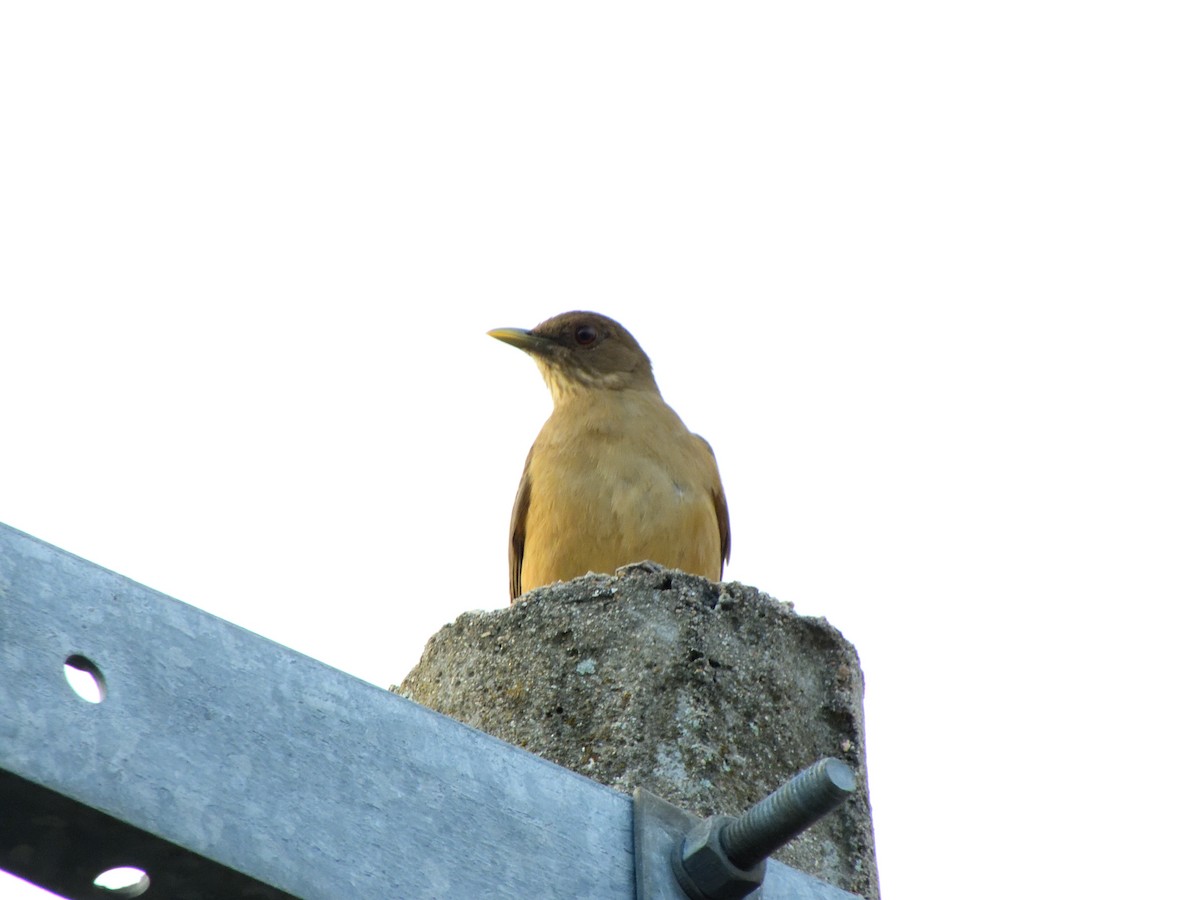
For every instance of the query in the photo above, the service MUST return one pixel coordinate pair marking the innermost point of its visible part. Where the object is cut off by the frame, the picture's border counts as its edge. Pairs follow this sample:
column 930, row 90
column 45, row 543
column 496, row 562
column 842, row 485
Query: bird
column 614, row 477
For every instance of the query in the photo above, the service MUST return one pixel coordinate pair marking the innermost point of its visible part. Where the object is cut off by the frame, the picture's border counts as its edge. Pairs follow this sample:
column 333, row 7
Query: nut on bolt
column 701, row 860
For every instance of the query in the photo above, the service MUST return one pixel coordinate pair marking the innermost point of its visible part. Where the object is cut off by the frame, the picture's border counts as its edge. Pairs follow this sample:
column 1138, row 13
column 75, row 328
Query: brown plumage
column 614, row 477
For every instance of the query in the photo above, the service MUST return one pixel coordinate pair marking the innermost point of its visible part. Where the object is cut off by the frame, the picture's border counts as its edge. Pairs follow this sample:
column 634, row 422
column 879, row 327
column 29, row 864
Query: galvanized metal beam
column 225, row 765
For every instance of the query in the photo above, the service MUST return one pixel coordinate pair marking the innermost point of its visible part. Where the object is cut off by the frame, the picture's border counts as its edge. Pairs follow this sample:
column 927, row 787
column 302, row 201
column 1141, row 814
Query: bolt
column 725, row 859
column 783, row 814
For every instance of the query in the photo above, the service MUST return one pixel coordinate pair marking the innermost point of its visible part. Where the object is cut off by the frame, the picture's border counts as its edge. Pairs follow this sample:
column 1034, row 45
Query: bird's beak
column 524, row 340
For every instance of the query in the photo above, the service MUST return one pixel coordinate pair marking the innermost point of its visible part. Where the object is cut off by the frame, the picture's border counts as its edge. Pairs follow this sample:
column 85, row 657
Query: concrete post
column 709, row 695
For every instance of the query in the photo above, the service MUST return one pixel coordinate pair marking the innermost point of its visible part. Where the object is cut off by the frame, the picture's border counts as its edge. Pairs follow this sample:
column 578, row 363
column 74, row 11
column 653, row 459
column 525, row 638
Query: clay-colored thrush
column 614, row 477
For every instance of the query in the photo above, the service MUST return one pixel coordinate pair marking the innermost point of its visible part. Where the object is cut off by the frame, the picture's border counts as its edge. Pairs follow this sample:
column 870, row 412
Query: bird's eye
column 585, row 334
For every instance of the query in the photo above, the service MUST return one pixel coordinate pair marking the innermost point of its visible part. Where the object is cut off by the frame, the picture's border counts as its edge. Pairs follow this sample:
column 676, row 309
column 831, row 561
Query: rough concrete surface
column 709, row 695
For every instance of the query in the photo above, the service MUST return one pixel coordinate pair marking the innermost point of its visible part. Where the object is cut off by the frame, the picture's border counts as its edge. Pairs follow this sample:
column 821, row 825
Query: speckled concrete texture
column 709, row 695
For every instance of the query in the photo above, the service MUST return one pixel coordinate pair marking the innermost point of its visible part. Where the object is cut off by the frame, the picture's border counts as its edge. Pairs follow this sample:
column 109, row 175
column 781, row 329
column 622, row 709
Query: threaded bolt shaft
column 783, row 814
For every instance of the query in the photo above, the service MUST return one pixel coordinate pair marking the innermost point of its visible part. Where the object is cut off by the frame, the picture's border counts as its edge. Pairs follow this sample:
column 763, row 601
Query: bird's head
column 583, row 351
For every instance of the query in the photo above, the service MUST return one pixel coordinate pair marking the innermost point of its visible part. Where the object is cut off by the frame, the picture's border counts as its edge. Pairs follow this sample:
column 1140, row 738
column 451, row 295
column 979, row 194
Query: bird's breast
column 611, row 490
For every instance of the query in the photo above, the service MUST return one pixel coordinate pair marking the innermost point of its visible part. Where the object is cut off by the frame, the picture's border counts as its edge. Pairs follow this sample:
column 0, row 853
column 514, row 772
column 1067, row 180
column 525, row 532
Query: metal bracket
column 658, row 828
column 224, row 765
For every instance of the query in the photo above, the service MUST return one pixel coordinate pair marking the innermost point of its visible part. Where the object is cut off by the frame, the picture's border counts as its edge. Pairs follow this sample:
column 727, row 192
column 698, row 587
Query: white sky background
column 924, row 274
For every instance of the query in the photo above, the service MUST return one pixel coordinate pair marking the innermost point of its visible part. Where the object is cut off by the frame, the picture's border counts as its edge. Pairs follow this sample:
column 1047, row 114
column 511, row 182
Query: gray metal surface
column 225, row 765
column 62, row 845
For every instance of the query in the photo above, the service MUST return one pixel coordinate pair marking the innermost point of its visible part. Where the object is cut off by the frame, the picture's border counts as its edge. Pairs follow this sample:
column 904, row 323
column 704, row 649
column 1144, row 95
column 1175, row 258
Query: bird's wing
column 516, row 529
column 722, row 510
column 718, row 496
